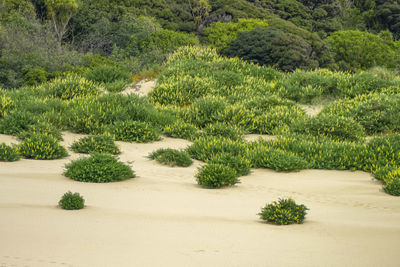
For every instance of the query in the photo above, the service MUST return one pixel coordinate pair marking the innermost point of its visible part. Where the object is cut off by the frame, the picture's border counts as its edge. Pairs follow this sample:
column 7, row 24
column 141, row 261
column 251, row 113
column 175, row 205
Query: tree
column 274, row 47
column 221, row 34
column 355, row 50
column 60, row 12
column 200, row 11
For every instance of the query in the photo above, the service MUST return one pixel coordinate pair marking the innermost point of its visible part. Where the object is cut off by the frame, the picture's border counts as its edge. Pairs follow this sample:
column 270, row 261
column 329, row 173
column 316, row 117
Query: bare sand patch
column 162, row 218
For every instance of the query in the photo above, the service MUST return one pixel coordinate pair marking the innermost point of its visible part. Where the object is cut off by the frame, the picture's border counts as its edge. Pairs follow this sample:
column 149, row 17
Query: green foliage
column 96, row 143
column 17, row 122
column 36, row 76
column 107, row 74
column 6, row 105
column 180, row 129
column 214, row 175
column 284, row 212
column 392, row 183
column 240, row 165
column 382, row 173
column 273, row 47
column 277, row 160
column 41, row 146
column 166, row 41
column 223, row 130
column 206, row 110
column 171, row 157
column 357, row 50
column 335, row 127
column 117, row 86
column 72, row 201
column 207, row 147
column 221, row 34
column 9, row 153
column 98, row 168
column 42, row 127
column 133, row 131
column 70, row 87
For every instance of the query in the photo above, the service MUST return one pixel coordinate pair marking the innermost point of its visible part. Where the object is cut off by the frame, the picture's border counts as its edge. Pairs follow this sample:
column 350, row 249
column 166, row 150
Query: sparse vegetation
column 171, row 157
column 284, row 212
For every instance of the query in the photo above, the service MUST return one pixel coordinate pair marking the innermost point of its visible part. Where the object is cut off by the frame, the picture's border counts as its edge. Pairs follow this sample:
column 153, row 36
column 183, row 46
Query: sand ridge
column 163, row 218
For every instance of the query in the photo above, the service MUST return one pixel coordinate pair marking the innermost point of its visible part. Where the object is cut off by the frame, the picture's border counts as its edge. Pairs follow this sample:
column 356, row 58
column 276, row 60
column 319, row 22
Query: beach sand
column 163, row 218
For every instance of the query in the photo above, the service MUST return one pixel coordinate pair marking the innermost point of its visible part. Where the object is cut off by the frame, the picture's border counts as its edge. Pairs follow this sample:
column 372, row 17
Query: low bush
column 223, row 130
column 17, row 122
column 240, row 165
column 107, row 74
column 171, row 157
column 382, row 173
column 277, row 160
column 70, row 87
column 96, row 143
column 6, row 105
column 98, row 168
column 206, row 110
column 284, row 212
column 216, row 175
column 335, row 127
column 41, row 146
column 180, row 129
column 9, row 153
column 133, row 131
column 206, row 147
column 72, row 201
column 117, row 86
column 42, row 127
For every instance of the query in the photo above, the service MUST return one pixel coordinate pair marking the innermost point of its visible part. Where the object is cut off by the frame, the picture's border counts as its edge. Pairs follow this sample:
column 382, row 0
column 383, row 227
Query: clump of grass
column 98, row 168
column 71, row 201
column 134, row 131
column 41, row 146
column 171, row 157
column 284, row 212
column 9, row 153
column 214, row 175
column 96, row 143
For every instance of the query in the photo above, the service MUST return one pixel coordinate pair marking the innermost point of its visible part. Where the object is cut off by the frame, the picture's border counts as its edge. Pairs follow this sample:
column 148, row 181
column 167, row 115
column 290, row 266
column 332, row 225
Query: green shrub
column 382, row 173
column 180, row 129
column 6, row 105
column 284, row 212
column 223, row 130
column 392, row 183
column 107, row 74
column 70, row 87
column 17, row 122
column 171, row 157
column 335, row 127
column 9, row 153
column 206, row 147
column 133, row 131
column 42, row 127
column 216, row 176
column 96, row 143
column 36, row 76
column 41, row 146
column 240, row 165
column 206, row 110
column 98, row 168
column 277, row 160
column 72, row 201
column 116, row 86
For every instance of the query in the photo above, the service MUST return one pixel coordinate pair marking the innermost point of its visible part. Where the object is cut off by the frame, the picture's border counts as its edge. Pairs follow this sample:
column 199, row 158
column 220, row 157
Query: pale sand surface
column 142, row 88
column 162, row 218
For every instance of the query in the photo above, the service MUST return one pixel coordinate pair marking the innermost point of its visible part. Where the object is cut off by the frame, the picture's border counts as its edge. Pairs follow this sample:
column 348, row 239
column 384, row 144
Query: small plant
column 172, row 157
column 41, row 146
column 214, row 175
column 134, row 131
column 240, row 165
column 392, row 183
column 224, row 130
column 9, row 153
column 96, row 143
column 107, row 74
column 180, row 129
column 71, row 201
column 284, row 212
column 98, row 168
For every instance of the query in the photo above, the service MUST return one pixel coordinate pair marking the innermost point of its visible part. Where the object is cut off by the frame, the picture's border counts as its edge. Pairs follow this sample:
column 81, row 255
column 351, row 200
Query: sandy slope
column 162, row 218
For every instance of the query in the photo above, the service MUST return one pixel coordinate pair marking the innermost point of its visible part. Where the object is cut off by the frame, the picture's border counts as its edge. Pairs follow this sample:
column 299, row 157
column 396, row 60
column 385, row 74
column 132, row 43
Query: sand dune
column 162, row 218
